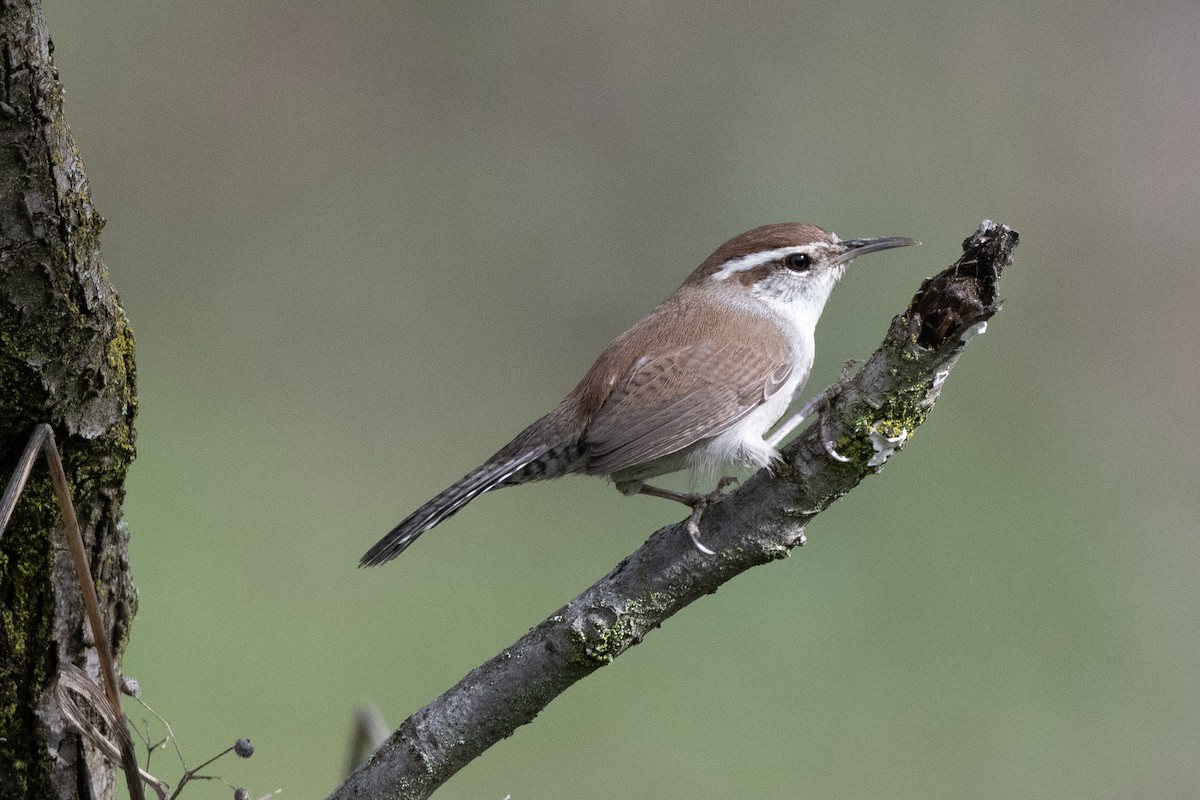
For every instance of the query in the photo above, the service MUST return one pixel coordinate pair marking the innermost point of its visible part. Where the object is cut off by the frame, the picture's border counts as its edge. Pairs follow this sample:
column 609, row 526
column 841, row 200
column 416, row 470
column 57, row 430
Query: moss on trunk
column 66, row 358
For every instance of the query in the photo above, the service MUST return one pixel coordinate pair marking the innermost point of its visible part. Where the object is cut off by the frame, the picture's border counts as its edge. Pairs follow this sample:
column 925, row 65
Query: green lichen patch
column 606, row 633
column 901, row 414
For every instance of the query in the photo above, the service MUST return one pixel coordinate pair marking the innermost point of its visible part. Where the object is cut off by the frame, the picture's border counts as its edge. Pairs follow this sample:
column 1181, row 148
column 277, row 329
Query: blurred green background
column 363, row 244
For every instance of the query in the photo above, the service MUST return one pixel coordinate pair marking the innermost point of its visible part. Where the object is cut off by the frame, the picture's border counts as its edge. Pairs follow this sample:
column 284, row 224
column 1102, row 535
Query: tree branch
column 871, row 416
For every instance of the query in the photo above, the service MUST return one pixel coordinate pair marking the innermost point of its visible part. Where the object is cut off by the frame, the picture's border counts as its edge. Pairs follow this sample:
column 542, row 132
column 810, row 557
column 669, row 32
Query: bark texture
column 872, row 416
column 66, row 358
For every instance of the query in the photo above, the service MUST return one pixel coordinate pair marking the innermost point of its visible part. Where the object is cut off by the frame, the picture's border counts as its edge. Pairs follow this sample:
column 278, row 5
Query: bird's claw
column 693, row 530
column 833, row 453
column 826, row 440
column 724, row 483
column 700, row 503
column 697, row 502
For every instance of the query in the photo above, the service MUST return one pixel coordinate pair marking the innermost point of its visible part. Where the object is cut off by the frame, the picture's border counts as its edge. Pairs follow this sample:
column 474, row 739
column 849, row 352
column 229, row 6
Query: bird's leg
column 819, row 405
column 696, row 502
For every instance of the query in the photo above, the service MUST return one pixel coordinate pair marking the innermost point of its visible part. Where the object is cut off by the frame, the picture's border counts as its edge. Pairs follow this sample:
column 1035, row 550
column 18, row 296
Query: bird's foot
column 695, row 501
column 817, row 405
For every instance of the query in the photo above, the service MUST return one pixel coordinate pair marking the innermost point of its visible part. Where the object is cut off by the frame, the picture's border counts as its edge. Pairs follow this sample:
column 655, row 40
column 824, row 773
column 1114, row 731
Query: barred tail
column 487, row 477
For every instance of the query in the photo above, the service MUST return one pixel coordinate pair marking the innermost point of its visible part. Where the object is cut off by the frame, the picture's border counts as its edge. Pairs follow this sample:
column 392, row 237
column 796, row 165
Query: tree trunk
column 66, row 358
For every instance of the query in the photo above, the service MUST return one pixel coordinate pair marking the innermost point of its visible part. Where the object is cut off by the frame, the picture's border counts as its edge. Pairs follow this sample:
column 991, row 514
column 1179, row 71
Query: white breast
column 743, row 444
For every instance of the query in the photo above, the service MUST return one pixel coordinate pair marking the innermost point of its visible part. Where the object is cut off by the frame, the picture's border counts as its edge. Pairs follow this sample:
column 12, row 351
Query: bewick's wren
column 696, row 383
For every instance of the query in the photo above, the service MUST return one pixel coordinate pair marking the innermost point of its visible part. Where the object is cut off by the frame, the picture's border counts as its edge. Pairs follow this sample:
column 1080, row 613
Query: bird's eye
column 797, row 261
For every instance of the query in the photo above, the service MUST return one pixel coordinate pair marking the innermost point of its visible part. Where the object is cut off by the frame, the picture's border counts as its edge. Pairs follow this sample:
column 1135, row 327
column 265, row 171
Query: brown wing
column 662, row 404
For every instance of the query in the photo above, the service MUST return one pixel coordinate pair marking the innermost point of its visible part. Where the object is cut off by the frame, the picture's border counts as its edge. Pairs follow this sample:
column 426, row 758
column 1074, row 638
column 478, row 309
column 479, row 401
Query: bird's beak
column 854, row 248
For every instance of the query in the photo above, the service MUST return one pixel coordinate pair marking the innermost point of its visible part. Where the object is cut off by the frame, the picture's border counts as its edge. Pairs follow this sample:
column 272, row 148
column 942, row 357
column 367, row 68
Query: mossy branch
column 872, row 416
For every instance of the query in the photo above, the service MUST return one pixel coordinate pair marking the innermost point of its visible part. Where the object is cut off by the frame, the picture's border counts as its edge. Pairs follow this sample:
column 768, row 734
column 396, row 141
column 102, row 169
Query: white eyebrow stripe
column 748, row 262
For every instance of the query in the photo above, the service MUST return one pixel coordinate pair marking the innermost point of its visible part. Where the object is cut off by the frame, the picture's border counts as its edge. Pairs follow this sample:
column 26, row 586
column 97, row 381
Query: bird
column 696, row 384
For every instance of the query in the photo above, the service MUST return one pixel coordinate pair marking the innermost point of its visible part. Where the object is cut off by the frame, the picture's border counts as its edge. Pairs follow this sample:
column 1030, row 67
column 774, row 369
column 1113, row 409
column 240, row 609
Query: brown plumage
column 697, row 382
